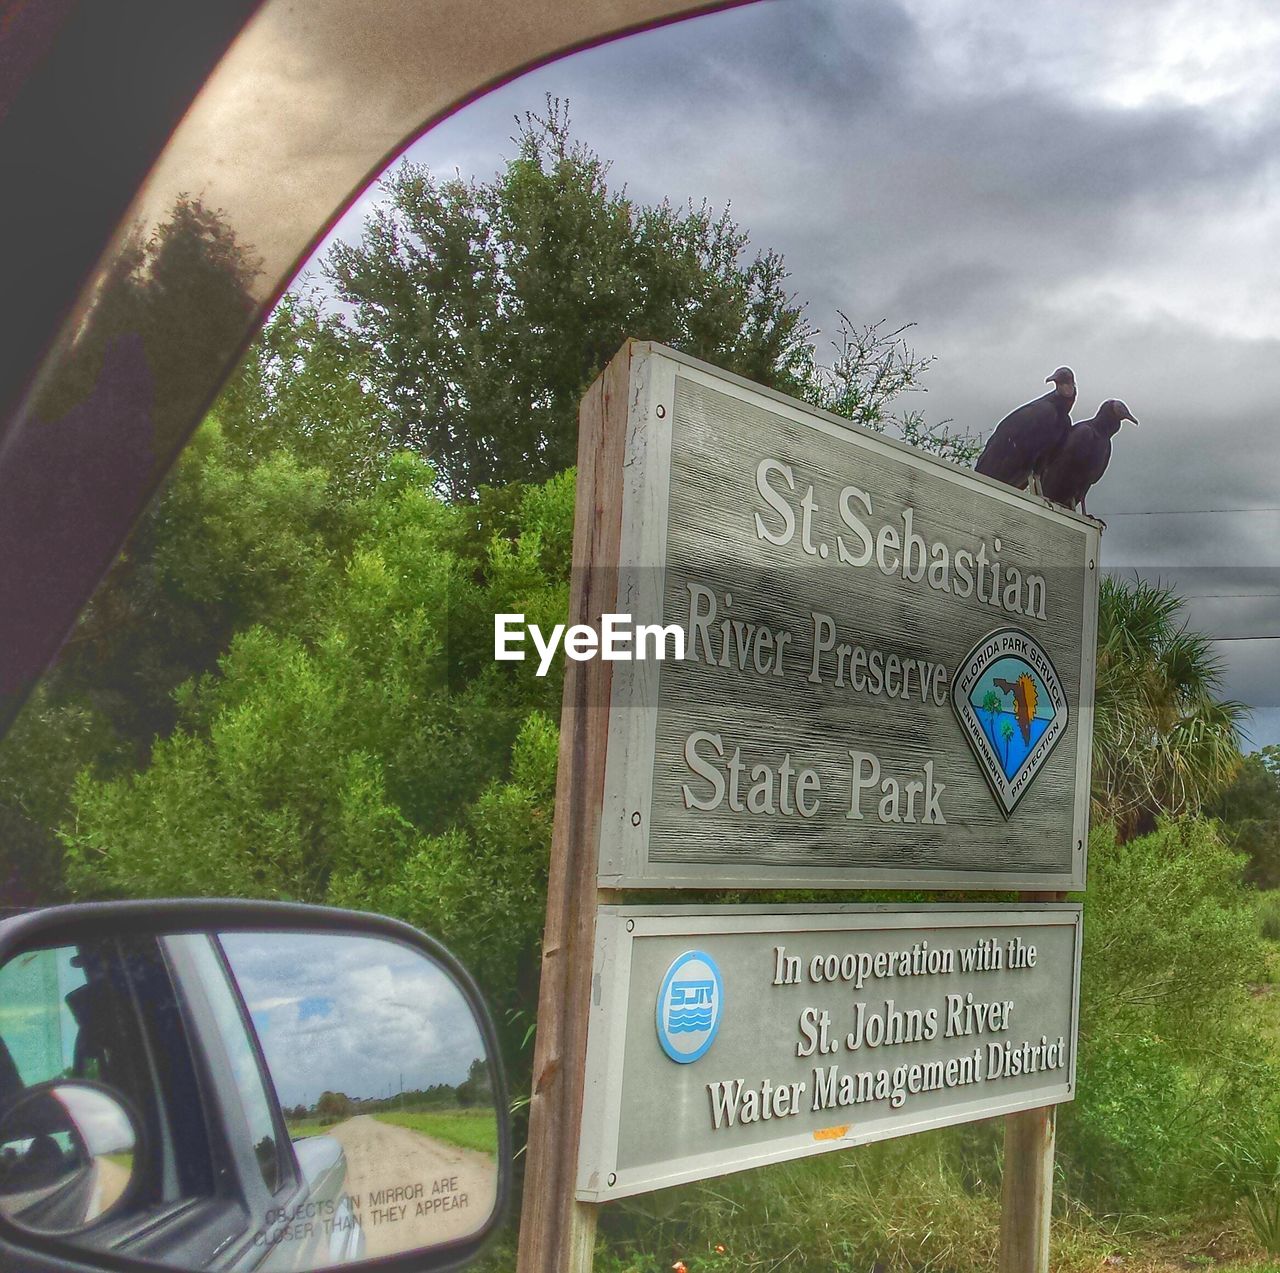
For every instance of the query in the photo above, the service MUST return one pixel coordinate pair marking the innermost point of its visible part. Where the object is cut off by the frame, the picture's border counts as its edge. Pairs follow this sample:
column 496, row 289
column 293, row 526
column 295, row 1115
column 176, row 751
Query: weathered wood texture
column 712, row 541
column 712, row 547
column 1027, row 1191
column 557, row 1232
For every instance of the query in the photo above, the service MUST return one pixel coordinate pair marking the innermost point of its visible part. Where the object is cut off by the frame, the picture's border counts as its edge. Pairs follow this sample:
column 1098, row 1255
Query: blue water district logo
column 690, row 1004
column 1012, row 709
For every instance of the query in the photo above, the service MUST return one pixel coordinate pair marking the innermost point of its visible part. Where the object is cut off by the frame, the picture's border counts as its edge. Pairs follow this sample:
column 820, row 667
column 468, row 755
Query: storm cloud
column 1079, row 183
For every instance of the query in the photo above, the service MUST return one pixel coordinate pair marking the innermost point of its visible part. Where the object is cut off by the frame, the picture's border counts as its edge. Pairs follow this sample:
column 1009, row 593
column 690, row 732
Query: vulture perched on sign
column 1083, row 457
column 1025, row 438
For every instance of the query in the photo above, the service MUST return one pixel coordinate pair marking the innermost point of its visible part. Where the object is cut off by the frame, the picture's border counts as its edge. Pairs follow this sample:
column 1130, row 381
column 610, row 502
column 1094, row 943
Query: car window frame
column 239, row 1176
column 194, row 1223
column 288, row 1171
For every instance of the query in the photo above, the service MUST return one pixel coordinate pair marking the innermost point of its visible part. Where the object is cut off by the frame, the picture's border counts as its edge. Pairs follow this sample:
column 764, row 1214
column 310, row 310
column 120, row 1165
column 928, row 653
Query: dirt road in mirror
column 413, row 1190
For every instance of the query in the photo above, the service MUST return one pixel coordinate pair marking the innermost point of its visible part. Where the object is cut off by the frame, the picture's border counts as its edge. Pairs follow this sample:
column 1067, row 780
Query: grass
column 466, row 1128
column 299, row 1128
column 928, row 1204
column 922, row 1204
column 1266, row 996
column 1269, row 914
column 1261, row 1205
column 931, row 1204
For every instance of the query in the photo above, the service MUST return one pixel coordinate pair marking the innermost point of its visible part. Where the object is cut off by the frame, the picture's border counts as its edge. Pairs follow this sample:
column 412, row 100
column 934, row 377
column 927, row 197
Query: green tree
column 489, row 307
column 1172, row 1063
column 112, row 683
column 365, row 749
column 260, row 507
column 477, row 1087
column 1249, row 810
column 991, row 705
column 1006, row 733
column 227, row 544
column 1164, row 741
column 334, row 1105
column 50, row 742
column 873, row 371
column 304, row 389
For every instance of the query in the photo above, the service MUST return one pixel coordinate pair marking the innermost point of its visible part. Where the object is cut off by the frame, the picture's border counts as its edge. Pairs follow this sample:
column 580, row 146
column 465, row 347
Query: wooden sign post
column 1026, row 1188
column 557, row 1233
column 886, row 681
column 1026, row 1193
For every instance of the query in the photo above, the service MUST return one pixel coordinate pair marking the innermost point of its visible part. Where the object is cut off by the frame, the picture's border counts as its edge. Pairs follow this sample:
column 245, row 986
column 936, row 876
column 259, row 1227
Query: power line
column 1193, row 512
column 1198, row 596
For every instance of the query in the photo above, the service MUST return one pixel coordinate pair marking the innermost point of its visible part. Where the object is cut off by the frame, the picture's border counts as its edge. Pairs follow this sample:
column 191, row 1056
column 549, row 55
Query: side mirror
column 242, row 1085
column 66, row 1157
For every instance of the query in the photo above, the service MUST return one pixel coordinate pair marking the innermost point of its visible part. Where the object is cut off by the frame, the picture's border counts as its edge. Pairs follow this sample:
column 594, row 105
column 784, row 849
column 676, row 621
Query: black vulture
column 1083, row 458
column 1025, row 438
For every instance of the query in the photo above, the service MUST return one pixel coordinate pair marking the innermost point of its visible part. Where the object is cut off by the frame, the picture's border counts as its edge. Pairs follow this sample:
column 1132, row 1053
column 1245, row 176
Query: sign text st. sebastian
column 889, row 660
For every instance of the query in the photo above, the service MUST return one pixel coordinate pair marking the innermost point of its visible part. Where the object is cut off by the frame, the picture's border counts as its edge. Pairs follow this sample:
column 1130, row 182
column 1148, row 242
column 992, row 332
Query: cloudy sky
column 1031, row 185
column 357, row 1015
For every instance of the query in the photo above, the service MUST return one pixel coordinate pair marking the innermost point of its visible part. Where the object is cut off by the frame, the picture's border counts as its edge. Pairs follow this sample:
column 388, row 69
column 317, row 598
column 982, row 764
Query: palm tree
column 1006, row 732
column 1163, row 741
column 991, row 705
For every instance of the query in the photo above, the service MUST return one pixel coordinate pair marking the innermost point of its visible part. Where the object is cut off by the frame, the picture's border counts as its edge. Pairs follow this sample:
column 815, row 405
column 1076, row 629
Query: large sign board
column 889, row 665
column 731, row 1037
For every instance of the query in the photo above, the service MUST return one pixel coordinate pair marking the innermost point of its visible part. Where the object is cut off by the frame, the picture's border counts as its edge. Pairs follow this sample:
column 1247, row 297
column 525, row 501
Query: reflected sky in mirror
column 103, row 1123
column 362, row 1016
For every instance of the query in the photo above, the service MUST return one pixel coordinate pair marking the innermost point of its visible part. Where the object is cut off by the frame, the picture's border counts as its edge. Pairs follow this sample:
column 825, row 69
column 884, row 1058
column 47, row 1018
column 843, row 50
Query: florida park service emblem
column 1012, row 709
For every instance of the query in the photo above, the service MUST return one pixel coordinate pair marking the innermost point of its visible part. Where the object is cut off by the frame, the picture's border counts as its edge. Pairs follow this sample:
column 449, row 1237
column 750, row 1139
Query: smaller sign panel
column 730, row 1037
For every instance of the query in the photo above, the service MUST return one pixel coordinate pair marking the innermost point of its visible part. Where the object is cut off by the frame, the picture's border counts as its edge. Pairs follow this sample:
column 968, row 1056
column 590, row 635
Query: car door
column 297, row 1214
column 110, row 1013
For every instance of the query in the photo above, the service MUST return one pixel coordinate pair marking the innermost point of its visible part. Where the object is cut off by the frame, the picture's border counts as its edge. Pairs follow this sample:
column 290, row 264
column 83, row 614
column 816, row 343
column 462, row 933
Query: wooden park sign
column 887, row 682
column 888, row 670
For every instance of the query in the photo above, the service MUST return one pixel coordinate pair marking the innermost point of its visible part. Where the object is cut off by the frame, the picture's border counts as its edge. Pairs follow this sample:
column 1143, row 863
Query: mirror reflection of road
column 445, row 1192
column 113, row 1180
